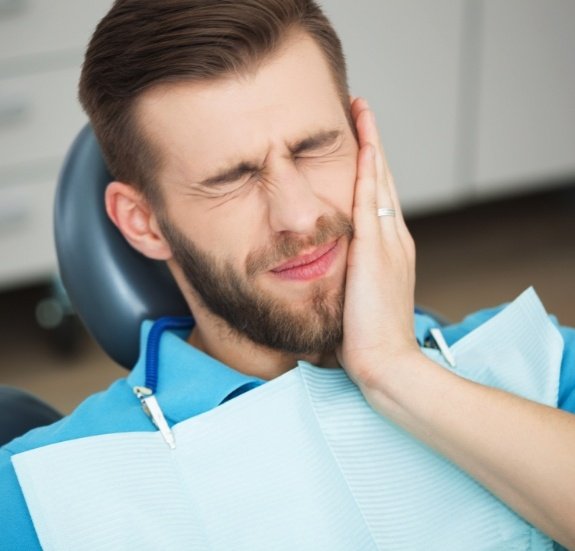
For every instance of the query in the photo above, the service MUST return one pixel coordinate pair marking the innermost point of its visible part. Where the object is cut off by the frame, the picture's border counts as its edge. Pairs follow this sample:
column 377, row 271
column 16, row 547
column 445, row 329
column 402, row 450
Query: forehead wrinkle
column 313, row 139
column 229, row 169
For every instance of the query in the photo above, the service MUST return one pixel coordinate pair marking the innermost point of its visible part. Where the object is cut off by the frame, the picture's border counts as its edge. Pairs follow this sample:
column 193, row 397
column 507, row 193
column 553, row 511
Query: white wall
column 475, row 98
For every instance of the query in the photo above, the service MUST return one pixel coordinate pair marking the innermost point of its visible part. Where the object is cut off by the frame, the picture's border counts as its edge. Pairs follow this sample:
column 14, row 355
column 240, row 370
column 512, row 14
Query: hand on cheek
column 378, row 310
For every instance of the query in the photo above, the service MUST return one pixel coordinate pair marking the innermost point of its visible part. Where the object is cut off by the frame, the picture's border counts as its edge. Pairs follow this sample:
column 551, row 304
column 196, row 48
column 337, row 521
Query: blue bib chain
column 146, row 394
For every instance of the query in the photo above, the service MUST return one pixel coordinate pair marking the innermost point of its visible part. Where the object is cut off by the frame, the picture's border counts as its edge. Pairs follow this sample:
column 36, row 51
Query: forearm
column 521, row 451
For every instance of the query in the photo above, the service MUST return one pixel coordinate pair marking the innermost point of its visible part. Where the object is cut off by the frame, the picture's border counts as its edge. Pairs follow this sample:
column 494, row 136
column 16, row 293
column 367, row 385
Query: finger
column 365, row 125
column 375, row 239
column 358, row 106
column 370, row 134
column 391, row 192
column 387, row 195
column 367, row 132
column 355, row 102
column 366, row 227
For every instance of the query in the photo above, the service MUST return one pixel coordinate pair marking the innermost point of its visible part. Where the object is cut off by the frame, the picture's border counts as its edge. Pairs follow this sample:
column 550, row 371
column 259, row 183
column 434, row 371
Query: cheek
column 334, row 183
column 234, row 233
column 212, row 233
column 348, row 185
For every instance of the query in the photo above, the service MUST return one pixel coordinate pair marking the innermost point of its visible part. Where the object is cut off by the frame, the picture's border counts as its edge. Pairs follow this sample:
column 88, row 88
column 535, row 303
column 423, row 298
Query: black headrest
column 20, row 412
column 112, row 287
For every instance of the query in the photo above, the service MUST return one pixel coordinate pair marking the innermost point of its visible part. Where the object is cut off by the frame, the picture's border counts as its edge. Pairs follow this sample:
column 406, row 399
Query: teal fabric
column 331, row 473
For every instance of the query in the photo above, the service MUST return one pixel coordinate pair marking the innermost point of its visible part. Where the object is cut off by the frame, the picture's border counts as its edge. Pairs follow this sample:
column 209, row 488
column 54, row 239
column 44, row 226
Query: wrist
column 399, row 385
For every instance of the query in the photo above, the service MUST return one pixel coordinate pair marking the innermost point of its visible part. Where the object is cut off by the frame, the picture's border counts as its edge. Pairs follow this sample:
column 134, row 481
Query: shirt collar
column 189, row 381
column 423, row 323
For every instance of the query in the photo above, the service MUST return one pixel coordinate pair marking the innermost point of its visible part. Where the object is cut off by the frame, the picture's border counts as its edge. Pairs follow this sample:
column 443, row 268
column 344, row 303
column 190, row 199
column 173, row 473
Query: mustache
column 328, row 228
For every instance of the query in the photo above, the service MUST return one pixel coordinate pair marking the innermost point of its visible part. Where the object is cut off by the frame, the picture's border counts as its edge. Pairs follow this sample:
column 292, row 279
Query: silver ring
column 385, row 212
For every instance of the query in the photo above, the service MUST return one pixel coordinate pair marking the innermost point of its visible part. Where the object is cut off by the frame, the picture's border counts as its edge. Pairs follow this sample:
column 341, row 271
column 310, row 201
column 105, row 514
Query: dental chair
column 21, row 411
column 111, row 286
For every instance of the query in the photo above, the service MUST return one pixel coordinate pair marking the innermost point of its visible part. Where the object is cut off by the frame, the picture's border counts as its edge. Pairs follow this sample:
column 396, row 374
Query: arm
column 521, row 451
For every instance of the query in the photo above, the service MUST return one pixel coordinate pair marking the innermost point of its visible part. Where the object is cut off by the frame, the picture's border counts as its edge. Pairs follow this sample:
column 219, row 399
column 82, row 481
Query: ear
column 134, row 217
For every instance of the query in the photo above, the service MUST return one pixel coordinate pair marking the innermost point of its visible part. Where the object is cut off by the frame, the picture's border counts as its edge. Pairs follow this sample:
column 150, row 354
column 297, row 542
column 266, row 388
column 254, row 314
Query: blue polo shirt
column 189, row 383
column 566, row 398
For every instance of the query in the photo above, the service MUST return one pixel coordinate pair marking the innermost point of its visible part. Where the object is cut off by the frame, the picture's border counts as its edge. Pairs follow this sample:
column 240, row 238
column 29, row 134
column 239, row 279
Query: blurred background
column 476, row 105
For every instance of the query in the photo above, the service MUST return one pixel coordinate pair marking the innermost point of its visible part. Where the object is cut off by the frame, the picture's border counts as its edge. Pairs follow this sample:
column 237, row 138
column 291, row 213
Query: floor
column 467, row 259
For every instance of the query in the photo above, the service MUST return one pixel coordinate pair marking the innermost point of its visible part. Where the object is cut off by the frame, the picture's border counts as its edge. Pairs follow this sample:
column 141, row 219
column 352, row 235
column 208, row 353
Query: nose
column 293, row 204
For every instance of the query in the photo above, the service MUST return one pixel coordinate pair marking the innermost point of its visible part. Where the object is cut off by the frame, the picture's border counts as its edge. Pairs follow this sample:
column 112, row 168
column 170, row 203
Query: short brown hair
column 143, row 43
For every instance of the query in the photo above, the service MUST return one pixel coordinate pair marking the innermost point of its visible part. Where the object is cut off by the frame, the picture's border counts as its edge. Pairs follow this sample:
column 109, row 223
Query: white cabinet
column 474, row 97
column 46, row 115
column 404, row 57
column 32, row 28
column 526, row 95
column 26, row 240
column 41, row 48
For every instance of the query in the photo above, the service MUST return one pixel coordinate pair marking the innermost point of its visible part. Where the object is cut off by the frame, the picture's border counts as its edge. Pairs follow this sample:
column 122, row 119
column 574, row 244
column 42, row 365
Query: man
column 241, row 161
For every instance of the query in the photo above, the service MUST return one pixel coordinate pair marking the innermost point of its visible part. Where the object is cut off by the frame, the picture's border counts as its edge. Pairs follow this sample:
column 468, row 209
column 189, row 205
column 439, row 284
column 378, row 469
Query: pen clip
column 152, row 409
column 439, row 339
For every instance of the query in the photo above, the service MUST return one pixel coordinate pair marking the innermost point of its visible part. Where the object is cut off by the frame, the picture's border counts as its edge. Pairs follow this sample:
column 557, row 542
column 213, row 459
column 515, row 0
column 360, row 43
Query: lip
column 308, row 266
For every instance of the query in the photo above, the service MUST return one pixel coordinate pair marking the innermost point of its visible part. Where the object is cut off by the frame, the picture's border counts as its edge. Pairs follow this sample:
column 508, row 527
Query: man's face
column 257, row 178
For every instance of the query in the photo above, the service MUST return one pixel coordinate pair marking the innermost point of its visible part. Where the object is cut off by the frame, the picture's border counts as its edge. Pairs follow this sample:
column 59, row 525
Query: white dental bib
column 300, row 463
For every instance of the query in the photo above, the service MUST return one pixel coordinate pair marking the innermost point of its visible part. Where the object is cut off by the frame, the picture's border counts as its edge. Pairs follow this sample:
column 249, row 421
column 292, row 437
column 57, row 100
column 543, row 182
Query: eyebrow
column 230, row 174
column 318, row 140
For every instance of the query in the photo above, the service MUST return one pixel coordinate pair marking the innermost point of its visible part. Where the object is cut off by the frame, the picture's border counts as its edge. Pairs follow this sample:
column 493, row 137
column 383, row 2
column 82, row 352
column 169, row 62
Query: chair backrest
column 20, row 412
column 111, row 286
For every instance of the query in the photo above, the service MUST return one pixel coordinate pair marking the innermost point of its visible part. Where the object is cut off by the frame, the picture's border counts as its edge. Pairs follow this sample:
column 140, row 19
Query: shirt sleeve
column 566, row 400
column 567, row 380
column 112, row 411
column 16, row 524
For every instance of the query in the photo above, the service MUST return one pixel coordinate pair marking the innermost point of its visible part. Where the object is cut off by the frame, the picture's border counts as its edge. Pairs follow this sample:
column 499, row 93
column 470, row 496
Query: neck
column 217, row 339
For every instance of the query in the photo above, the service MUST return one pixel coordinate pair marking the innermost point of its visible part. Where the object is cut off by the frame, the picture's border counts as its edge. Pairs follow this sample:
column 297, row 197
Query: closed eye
column 230, row 176
column 319, row 144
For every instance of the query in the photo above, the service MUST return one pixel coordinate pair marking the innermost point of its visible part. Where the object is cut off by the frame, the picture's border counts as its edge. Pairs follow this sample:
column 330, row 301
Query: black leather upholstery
column 21, row 412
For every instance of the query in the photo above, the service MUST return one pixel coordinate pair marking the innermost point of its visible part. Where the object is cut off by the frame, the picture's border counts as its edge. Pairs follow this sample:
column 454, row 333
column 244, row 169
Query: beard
column 264, row 319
